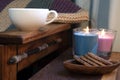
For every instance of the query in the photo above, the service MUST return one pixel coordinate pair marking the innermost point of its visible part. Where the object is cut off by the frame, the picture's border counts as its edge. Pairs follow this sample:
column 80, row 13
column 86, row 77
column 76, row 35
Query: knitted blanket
column 61, row 6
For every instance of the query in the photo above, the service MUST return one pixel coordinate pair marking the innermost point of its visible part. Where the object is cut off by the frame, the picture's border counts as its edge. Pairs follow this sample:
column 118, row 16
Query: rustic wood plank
column 8, row 72
column 16, row 42
column 25, row 63
column 1, row 51
column 22, row 48
column 22, row 37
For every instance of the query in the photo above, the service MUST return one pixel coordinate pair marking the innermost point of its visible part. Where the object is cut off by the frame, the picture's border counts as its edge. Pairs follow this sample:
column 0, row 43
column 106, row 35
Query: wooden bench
column 17, row 43
column 55, row 70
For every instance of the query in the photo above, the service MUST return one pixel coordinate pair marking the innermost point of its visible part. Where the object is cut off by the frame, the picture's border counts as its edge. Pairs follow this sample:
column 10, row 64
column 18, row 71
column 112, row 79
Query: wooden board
column 7, row 72
column 21, row 37
column 32, row 45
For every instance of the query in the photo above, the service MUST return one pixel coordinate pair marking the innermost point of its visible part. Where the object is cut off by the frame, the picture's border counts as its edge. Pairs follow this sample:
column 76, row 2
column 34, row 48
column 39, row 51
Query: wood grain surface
column 16, row 42
column 56, row 71
column 8, row 72
column 21, row 37
column 32, row 45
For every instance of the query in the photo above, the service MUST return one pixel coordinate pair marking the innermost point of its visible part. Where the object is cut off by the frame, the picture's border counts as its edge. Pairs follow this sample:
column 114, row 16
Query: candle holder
column 84, row 41
column 105, row 42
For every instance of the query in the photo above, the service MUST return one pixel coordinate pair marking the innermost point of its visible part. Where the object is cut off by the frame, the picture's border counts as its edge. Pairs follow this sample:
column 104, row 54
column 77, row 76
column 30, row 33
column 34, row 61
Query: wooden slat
column 8, row 72
column 21, row 37
column 1, row 51
column 16, row 42
column 25, row 63
column 35, row 57
column 22, row 48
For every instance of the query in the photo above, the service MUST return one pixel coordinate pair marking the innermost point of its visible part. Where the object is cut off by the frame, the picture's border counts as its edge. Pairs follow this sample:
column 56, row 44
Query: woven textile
column 64, row 6
column 67, row 11
column 4, row 3
column 4, row 18
column 76, row 17
column 40, row 4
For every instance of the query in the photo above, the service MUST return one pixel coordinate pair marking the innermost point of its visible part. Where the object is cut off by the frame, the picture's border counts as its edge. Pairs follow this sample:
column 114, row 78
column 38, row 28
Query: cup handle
column 55, row 16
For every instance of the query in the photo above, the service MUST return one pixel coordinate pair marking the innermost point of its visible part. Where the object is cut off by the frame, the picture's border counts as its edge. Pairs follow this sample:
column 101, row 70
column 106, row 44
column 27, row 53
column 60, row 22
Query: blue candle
column 85, row 42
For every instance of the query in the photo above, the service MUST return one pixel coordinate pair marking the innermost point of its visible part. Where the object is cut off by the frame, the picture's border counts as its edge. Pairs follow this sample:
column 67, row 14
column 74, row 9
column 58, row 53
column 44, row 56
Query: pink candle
column 105, row 41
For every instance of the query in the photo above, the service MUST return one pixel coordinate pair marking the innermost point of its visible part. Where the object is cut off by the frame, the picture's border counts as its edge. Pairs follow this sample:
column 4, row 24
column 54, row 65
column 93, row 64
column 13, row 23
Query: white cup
column 30, row 19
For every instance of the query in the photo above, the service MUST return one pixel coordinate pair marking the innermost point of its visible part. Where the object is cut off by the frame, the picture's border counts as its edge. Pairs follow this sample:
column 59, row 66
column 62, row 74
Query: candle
column 105, row 41
column 85, row 41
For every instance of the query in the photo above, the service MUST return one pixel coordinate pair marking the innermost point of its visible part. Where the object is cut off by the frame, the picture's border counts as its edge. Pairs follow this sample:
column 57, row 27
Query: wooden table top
column 21, row 37
column 56, row 71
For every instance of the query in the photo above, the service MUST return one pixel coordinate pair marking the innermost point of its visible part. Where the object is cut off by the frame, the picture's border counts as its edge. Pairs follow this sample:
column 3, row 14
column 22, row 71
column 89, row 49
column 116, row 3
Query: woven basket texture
column 76, row 17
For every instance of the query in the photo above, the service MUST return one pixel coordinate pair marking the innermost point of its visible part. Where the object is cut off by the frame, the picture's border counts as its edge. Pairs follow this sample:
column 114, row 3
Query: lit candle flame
column 103, row 32
column 87, row 30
